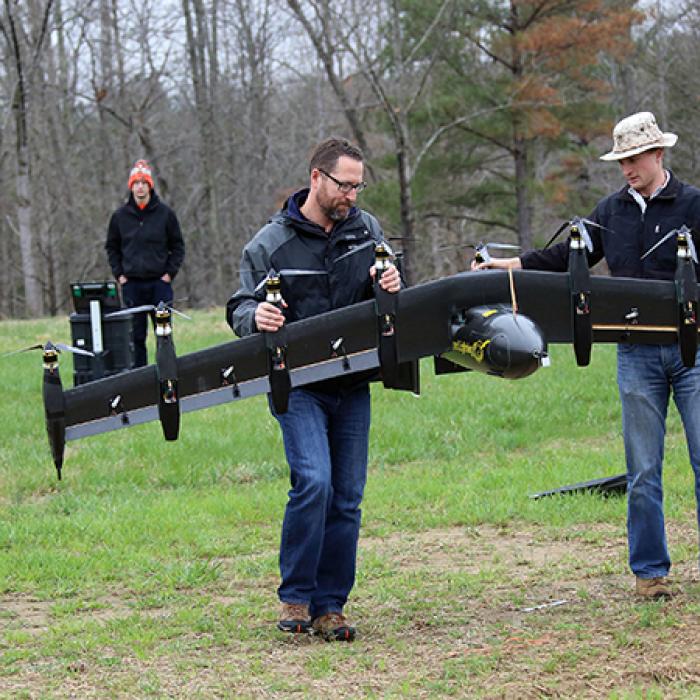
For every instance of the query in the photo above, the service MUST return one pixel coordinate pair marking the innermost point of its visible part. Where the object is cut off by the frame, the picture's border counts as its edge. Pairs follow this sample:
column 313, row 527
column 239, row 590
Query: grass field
column 150, row 570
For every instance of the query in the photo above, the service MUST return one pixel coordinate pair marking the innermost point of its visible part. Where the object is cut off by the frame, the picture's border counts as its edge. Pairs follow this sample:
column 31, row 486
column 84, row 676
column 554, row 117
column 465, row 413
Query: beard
column 336, row 213
column 334, row 210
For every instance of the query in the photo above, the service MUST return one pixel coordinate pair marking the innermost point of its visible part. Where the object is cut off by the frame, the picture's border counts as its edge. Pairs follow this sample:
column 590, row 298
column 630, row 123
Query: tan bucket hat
column 636, row 134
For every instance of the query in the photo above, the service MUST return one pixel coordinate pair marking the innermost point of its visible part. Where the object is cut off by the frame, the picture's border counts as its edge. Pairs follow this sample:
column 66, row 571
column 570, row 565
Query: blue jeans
column 139, row 293
column 646, row 375
column 326, row 440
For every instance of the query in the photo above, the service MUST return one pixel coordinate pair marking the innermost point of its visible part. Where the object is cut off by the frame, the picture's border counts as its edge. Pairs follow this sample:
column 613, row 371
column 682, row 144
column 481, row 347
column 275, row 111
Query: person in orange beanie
column 145, row 249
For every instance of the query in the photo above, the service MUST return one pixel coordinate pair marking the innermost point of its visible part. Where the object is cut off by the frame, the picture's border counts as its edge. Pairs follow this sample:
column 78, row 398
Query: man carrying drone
column 634, row 230
column 145, row 250
column 320, row 248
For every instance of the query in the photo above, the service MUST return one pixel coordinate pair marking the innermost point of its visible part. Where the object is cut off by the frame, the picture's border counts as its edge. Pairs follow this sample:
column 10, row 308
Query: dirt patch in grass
column 36, row 616
column 515, row 612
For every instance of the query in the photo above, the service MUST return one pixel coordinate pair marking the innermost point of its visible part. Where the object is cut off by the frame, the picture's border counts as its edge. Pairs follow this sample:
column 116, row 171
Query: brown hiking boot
column 653, row 587
column 294, row 617
column 333, row 627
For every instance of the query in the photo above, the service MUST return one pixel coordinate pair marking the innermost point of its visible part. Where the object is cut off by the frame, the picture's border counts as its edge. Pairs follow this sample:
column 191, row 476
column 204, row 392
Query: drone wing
column 345, row 341
column 425, row 320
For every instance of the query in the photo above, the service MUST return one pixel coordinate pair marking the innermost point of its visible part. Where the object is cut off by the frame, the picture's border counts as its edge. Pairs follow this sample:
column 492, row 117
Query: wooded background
column 481, row 120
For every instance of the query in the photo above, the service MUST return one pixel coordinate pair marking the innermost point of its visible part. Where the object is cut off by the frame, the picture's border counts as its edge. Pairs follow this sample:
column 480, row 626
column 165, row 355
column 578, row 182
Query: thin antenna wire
column 513, row 298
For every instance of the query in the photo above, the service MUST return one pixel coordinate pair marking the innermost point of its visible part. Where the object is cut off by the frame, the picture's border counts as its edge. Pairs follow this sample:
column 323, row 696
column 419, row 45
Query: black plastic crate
column 89, row 376
column 107, row 293
column 117, row 345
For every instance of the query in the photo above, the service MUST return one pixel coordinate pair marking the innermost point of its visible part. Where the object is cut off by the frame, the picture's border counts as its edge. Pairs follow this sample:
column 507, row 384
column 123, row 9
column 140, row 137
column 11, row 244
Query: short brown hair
column 325, row 156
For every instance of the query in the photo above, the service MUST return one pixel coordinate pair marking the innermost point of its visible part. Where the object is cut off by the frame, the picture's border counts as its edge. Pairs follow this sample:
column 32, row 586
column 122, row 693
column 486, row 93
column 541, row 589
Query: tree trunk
column 523, row 198
column 104, row 93
column 406, row 209
column 32, row 288
column 198, row 42
column 521, row 146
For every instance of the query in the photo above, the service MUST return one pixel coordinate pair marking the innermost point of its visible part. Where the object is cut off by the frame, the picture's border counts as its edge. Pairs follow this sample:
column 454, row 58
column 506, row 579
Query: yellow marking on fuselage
column 475, row 350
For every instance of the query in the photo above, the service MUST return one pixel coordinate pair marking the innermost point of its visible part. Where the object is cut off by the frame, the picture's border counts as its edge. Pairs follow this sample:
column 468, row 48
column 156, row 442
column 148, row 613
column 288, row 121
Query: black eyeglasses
column 345, row 187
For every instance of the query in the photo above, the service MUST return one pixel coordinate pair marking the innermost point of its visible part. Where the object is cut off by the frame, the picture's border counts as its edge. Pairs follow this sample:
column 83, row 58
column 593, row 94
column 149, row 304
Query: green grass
column 150, row 570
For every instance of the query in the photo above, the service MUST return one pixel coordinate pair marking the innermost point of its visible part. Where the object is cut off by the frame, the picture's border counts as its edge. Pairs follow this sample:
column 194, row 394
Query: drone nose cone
column 519, row 347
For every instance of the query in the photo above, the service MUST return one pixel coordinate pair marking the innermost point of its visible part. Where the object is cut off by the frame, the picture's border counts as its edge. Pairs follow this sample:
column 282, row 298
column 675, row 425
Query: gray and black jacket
column 318, row 271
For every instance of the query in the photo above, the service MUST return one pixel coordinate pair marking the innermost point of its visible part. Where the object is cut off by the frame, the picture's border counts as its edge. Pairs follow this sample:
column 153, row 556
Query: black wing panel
column 125, row 399
column 345, row 341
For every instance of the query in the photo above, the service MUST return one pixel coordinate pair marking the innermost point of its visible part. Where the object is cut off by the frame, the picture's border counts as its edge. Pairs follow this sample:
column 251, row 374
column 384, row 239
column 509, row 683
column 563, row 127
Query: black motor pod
column 166, row 371
column 54, row 407
column 491, row 339
column 687, row 296
column 276, row 344
column 580, row 286
column 385, row 306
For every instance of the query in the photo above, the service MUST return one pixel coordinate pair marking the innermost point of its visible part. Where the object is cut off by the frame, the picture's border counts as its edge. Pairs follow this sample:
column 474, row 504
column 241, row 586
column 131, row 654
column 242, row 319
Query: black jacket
column 144, row 243
column 632, row 233
column 318, row 271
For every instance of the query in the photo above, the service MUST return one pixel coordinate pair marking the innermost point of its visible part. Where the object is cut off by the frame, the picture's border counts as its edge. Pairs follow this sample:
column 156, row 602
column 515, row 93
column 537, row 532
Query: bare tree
column 397, row 70
column 201, row 31
column 25, row 36
column 318, row 25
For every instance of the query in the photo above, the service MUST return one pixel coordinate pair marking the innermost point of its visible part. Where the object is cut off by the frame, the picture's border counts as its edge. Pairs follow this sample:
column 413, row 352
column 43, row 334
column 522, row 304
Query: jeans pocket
column 626, row 348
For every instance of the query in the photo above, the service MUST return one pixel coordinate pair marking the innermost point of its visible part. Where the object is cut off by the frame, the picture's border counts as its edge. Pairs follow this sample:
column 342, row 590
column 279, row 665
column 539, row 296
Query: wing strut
column 386, row 307
column 687, row 295
column 166, row 372
column 54, row 406
column 580, row 286
column 276, row 344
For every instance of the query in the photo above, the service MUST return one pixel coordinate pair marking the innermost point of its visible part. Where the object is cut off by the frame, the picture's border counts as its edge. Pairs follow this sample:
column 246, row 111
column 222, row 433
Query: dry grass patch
column 445, row 612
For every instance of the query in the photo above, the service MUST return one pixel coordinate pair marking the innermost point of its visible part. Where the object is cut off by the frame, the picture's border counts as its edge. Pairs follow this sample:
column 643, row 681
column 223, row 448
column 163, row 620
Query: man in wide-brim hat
column 636, row 134
column 636, row 218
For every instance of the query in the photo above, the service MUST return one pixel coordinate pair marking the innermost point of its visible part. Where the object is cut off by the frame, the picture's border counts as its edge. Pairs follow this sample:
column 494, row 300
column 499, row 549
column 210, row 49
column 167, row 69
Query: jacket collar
column 291, row 214
column 671, row 191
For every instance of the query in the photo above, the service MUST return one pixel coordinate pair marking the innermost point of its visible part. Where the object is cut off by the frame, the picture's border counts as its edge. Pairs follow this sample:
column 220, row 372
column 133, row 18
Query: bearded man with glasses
column 322, row 247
